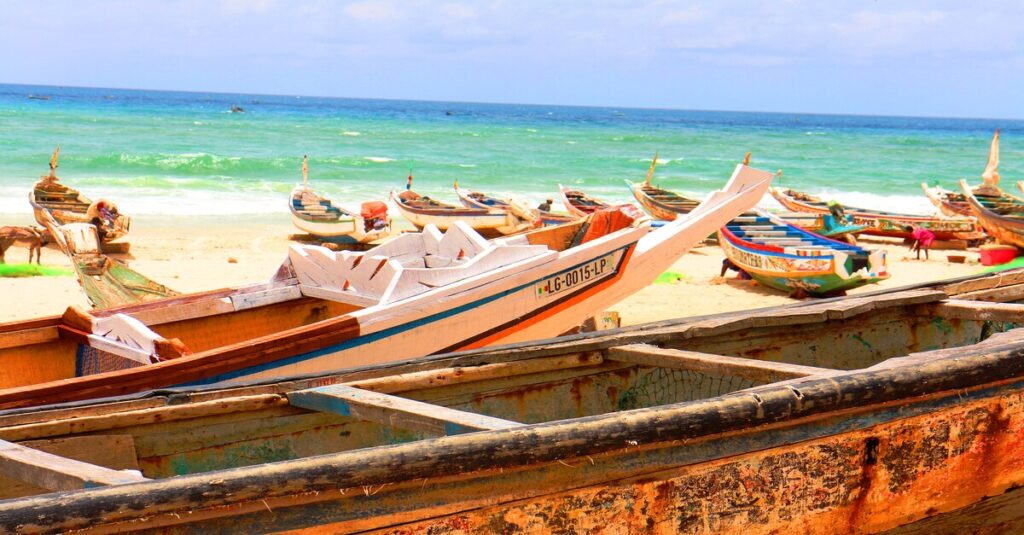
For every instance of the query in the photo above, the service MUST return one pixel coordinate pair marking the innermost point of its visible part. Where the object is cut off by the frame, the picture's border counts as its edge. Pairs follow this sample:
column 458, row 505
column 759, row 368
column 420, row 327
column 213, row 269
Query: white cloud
column 371, row 11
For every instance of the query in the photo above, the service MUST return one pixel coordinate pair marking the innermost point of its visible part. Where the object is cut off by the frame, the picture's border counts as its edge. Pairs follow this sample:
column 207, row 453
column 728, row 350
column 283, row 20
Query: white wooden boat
column 317, row 215
column 419, row 294
column 421, row 211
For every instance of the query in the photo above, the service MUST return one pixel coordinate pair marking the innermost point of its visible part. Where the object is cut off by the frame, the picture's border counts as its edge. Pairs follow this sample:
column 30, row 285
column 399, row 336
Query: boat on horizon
column 417, row 294
column 783, row 256
column 320, row 217
column 896, row 410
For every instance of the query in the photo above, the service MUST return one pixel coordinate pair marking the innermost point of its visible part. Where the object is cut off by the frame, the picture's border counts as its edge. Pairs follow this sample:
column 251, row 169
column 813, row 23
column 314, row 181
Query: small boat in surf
column 320, row 217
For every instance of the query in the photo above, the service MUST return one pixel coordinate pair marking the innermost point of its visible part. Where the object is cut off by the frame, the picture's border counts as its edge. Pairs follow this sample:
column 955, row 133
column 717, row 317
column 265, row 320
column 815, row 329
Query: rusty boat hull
column 893, row 410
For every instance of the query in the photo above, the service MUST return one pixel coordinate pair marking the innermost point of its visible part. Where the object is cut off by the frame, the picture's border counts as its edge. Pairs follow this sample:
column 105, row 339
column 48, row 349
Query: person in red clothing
column 923, row 239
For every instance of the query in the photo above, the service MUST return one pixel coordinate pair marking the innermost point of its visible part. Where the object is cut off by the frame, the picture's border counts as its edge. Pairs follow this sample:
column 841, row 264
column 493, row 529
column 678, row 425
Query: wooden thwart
column 980, row 310
column 394, row 411
column 755, row 370
column 53, row 472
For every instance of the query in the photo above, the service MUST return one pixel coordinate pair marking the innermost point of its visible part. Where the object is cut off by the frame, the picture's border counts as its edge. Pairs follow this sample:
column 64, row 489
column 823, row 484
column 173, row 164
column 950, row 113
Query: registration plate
column 578, row 276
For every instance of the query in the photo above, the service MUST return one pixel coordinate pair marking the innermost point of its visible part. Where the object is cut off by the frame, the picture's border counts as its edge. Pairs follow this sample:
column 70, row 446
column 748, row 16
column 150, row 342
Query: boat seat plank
column 56, row 473
column 394, row 411
column 980, row 310
column 755, row 370
column 999, row 294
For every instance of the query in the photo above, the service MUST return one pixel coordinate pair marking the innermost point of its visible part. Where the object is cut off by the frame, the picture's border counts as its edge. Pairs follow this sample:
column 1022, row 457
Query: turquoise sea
column 157, row 152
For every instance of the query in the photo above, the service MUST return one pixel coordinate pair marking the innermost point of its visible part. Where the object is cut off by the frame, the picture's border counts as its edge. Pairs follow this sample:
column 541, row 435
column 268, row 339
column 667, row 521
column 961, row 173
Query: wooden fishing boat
column 857, row 415
column 318, row 216
column 421, row 211
column 578, row 203
column 1005, row 224
column 783, row 256
column 417, row 294
column 476, row 199
column 988, row 193
column 880, row 223
column 67, row 205
column 661, row 204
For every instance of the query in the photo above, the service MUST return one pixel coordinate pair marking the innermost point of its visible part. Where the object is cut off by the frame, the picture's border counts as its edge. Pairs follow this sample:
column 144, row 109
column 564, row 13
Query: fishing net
column 92, row 361
column 662, row 386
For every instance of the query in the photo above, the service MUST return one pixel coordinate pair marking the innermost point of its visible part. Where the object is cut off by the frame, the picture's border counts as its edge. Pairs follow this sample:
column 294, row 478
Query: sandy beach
column 197, row 253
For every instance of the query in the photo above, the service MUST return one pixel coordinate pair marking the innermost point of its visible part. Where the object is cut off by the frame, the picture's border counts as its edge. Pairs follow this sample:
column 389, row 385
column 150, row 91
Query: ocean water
column 166, row 153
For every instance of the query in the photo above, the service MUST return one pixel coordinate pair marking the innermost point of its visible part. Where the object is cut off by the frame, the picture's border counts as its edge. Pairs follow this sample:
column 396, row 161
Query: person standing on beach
column 923, row 239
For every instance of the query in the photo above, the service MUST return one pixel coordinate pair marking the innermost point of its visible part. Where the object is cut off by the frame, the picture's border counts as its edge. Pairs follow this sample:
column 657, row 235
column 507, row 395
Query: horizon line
column 550, row 105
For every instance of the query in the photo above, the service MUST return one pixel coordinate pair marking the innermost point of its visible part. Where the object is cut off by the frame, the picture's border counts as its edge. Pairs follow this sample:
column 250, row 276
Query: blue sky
column 938, row 58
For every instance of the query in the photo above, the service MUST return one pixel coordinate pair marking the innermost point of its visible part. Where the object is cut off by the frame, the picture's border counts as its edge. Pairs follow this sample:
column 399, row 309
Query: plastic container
column 993, row 255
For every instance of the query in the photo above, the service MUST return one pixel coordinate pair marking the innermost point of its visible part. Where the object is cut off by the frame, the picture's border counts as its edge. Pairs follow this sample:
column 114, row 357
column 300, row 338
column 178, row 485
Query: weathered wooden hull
column 1008, row 229
column 884, row 223
column 640, row 430
column 955, row 204
column 659, row 203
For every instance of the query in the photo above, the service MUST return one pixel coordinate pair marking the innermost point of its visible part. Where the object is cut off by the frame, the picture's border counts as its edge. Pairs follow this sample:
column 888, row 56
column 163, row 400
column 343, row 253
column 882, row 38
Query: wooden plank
column 985, row 283
column 1000, row 294
column 980, row 310
column 53, row 472
column 456, row 375
column 394, row 411
column 755, row 370
column 26, row 337
column 111, row 451
column 271, row 296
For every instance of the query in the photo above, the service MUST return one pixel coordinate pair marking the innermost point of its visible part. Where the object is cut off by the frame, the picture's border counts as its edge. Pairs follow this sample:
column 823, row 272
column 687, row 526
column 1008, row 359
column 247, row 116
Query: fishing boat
column 661, row 204
column 476, row 199
column 1005, row 224
column 319, row 217
column 417, row 294
column 898, row 409
column 666, row 205
column 581, row 204
column 783, row 256
column 988, row 193
column 421, row 211
column 881, row 223
column 67, row 205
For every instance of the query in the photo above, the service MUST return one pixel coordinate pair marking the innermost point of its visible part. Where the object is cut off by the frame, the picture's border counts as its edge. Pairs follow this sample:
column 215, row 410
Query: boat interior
column 778, row 235
column 422, row 202
column 695, row 360
column 310, row 205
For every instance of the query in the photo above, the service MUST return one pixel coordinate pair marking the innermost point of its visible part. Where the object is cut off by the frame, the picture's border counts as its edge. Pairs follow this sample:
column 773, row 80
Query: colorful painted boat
column 318, row 216
column 955, row 204
column 897, row 410
column 783, row 256
column 417, row 294
column 67, row 205
column 1005, row 224
column 880, row 223
column 476, row 199
column 421, row 211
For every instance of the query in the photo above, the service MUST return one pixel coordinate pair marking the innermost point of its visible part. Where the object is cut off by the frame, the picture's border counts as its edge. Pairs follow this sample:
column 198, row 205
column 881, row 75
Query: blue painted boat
column 783, row 256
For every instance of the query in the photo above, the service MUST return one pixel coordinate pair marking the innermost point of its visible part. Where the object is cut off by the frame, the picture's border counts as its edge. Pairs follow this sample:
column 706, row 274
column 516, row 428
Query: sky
column 887, row 57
